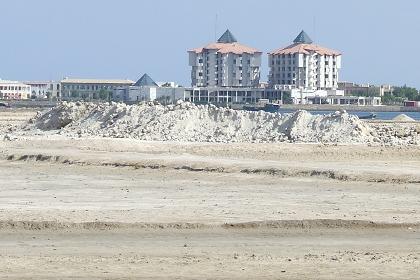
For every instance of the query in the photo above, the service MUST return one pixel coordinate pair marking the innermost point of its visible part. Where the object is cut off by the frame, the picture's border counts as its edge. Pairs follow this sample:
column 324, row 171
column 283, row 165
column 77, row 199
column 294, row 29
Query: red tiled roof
column 235, row 48
column 305, row 49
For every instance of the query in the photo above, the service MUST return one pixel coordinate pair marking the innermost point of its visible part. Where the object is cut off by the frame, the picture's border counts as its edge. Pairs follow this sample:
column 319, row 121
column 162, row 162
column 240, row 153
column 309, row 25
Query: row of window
column 87, row 87
column 295, row 54
column 220, row 61
column 14, row 88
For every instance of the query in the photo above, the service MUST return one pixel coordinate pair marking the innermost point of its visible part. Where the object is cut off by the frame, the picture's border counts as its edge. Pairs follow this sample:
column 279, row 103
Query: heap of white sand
column 403, row 118
column 200, row 123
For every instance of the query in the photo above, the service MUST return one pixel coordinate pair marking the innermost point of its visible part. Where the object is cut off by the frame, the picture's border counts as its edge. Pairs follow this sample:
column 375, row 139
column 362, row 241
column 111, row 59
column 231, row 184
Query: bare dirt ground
column 117, row 208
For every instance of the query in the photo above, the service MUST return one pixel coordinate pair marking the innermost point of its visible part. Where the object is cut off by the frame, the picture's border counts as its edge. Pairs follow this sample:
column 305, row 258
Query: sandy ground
column 116, row 208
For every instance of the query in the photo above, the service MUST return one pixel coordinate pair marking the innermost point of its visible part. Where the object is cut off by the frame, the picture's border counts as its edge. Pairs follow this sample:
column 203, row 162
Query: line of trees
column 401, row 94
column 101, row 95
column 396, row 97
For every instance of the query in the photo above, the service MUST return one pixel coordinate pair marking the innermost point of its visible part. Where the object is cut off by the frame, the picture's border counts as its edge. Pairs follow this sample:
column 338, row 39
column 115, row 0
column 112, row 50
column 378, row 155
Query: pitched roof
column 302, row 38
column 303, row 44
column 305, row 49
column 227, row 37
column 235, row 48
column 227, row 43
column 145, row 81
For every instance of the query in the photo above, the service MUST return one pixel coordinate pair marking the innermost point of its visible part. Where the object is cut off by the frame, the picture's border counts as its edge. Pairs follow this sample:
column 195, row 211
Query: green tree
column 105, row 94
column 406, row 92
column 74, row 94
column 400, row 94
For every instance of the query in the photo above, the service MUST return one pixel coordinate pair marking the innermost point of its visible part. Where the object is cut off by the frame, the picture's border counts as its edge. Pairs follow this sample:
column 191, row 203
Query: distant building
column 351, row 88
column 44, row 89
column 89, row 89
column 304, row 65
column 224, row 95
column 225, row 63
column 14, row 90
column 146, row 89
column 386, row 89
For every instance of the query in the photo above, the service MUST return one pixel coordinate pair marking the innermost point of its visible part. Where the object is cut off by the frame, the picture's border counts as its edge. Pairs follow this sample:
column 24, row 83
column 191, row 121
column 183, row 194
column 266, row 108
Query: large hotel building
column 225, row 63
column 304, row 65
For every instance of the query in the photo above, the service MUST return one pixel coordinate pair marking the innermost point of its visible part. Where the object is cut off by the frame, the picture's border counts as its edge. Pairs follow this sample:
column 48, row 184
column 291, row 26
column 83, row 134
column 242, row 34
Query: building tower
column 225, row 63
column 304, row 65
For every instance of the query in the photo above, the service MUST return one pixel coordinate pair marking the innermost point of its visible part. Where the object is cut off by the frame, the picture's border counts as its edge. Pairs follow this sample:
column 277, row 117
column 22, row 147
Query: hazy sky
column 52, row 39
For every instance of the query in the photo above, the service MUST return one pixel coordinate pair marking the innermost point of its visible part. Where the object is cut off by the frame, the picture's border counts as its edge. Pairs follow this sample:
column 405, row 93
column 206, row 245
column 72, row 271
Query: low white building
column 354, row 100
column 14, row 90
column 223, row 95
column 44, row 89
column 145, row 89
column 225, row 63
column 304, row 65
column 307, row 96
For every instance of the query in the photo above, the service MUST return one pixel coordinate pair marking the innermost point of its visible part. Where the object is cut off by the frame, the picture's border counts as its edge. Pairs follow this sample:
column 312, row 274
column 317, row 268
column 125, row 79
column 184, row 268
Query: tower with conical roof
column 302, row 38
column 145, row 81
column 227, row 38
column 304, row 65
column 225, row 63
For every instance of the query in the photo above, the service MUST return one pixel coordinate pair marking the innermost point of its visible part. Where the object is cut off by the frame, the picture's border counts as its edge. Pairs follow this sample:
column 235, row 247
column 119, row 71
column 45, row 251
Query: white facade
column 44, row 89
column 305, row 65
column 149, row 93
column 225, row 63
column 161, row 94
column 14, row 90
column 305, row 96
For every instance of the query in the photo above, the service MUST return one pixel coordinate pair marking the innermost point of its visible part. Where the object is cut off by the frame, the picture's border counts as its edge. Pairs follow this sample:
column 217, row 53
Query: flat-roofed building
column 146, row 89
column 225, row 63
column 89, row 89
column 14, row 90
column 304, row 65
column 44, row 89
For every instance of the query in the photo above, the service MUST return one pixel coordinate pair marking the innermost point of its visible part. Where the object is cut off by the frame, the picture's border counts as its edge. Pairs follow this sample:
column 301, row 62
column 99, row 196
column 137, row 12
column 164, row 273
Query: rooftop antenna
column 215, row 28
column 314, row 28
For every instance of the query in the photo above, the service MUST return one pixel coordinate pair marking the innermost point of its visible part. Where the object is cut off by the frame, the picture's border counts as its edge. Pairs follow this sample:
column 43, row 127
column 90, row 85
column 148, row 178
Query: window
column 200, row 60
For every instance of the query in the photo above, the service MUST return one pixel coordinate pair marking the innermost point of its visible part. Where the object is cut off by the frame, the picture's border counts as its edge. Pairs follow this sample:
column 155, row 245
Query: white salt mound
column 200, row 123
column 403, row 118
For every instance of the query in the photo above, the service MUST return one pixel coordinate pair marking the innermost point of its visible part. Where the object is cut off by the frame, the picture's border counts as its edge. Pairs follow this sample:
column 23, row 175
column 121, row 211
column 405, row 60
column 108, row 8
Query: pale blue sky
column 51, row 39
